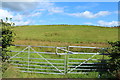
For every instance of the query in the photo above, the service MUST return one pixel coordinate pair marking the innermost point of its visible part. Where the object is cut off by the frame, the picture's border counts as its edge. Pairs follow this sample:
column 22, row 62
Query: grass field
column 61, row 35
column 64, row 35
column 16, row 74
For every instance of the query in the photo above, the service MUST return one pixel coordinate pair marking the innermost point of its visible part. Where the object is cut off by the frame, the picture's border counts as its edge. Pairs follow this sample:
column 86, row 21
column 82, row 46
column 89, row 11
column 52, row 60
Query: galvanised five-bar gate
column 57, row 60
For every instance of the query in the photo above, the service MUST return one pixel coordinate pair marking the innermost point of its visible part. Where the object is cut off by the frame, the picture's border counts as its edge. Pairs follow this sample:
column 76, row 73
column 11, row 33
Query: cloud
column 88, row 14
column 18, row 19
column 35, row 14
column 5, row 13
column 116, row 12
column 27, row 5
column 25, row 0
column 104, row 23
column 33, row 6
column 18, row 23
column 41, row 10
column 50, row 7
column 9, row 14
column 56, row 10
column 19, row 6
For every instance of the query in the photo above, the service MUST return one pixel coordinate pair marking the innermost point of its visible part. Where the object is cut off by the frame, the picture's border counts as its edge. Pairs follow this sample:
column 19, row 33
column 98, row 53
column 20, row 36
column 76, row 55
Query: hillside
column 58, row 35
column 64, row 34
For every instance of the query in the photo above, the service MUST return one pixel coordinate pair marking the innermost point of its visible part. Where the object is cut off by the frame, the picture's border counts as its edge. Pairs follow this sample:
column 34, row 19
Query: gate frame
column 66, row 55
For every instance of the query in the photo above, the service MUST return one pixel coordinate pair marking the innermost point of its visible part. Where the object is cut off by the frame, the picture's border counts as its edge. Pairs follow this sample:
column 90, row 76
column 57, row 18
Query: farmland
column 64, row 35
column 61, row 35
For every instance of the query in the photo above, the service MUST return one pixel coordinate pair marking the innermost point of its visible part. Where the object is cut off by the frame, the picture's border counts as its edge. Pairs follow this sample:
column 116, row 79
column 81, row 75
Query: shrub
column 114, row 62
column 6, row 39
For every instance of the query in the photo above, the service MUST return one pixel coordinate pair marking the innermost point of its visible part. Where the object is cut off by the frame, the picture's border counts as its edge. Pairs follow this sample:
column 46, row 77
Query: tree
column 6, row 37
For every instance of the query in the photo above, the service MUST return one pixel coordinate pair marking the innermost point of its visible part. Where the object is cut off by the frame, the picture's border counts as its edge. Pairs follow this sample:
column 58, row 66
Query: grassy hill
column 64, row 35
column 59, row 35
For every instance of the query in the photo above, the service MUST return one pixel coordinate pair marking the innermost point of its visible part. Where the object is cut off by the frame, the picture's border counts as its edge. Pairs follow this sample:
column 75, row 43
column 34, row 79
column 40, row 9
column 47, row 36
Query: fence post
column 28, row 57
column 66, row 63
column 67, row 58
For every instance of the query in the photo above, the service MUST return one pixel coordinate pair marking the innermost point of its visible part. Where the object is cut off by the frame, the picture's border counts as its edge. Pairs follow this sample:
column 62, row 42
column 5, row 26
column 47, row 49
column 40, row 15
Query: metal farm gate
column 58, row 60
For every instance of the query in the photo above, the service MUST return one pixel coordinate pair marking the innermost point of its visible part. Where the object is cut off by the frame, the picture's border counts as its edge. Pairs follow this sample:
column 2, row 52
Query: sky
column 51, row 13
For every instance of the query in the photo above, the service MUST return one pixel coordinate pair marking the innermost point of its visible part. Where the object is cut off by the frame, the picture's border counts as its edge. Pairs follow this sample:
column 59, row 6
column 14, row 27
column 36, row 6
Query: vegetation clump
column 6, row 39
column 114, row 62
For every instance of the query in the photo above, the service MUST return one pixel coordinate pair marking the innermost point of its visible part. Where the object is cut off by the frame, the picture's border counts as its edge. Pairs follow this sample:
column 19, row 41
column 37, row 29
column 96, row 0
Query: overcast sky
column 75, row 13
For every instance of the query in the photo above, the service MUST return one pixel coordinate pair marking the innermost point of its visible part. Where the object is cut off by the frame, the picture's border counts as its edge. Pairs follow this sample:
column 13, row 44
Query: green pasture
column 66, row 33
column 19, row 74
column 72, row 34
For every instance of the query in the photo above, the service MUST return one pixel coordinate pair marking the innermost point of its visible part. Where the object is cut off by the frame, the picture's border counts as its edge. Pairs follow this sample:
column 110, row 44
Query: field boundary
column 69, row 64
